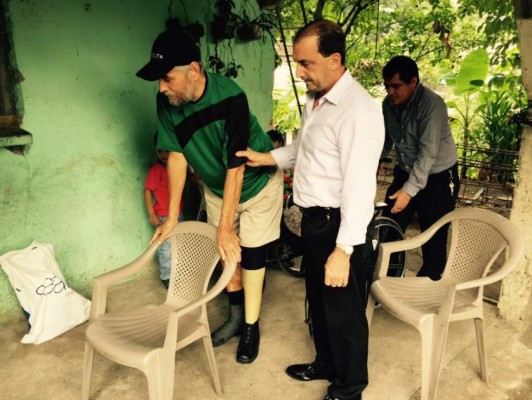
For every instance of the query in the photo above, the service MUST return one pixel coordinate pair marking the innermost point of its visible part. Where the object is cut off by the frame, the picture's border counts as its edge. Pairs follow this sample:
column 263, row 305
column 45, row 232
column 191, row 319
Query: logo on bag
column 50, row 286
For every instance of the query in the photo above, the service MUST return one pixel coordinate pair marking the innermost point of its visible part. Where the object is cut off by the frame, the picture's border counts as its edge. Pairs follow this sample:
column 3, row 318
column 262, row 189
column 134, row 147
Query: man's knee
column 235, row 283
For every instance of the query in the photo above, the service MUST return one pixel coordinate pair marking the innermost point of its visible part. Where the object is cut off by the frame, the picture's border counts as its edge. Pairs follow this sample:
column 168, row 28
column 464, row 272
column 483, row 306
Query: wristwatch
column 347, row 249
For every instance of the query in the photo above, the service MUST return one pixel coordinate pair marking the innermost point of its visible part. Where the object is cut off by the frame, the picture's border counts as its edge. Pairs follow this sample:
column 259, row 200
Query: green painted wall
column 79, row 185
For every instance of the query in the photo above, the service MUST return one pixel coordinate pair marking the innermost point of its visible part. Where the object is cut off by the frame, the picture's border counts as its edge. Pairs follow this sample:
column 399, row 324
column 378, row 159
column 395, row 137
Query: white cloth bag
column 43, row 293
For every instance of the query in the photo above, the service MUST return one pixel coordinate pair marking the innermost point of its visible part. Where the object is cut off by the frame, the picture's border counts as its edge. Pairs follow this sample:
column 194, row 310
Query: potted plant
column 225, row 20
column 247, row 30
column 195, row 29
column 253, row 29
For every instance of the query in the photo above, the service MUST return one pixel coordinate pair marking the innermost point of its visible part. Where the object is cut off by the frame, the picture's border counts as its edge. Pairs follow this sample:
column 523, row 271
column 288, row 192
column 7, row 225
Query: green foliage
column 470, row 78
column 497, row 23
column 498, row 107
column 430, row 31
column 286, row 116
column 484, row 117
column 430, row 34
column 473, row 72
column 493, row 108
column 231, row 26
column 438, row 34
column 496, row 136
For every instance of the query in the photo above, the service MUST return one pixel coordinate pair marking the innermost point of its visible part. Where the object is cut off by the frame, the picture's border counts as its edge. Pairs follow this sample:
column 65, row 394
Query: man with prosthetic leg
column 203, row 120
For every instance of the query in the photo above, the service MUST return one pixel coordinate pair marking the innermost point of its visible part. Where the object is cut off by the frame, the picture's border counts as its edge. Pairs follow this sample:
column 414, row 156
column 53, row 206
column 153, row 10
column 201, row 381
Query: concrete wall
column 79, row 186
column 516, row 292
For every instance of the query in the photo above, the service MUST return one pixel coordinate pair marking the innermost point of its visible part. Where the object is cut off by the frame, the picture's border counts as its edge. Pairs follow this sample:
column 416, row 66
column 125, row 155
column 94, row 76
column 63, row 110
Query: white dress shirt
column 336, row 155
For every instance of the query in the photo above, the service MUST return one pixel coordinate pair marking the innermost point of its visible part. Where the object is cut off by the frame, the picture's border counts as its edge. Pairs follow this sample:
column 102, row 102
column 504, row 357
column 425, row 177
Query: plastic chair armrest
column 101, row 282
column 386, row 249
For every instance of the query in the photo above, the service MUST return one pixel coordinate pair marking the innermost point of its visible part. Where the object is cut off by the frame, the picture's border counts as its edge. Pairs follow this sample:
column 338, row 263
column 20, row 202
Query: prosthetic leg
column 248, row 347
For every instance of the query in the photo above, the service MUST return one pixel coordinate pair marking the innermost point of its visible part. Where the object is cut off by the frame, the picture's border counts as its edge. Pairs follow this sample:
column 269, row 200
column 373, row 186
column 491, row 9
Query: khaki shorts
column 258, row 220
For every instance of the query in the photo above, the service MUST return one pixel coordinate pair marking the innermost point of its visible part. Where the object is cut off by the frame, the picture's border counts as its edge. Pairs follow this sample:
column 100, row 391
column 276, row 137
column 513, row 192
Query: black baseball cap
column 170, row 49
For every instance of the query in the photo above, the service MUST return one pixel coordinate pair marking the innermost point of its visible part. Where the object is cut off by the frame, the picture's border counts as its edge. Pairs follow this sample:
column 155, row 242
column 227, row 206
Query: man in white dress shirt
column 336, row 156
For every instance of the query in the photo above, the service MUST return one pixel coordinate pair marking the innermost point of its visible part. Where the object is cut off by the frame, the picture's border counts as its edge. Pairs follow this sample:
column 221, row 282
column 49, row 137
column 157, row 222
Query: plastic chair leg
column 87, row 371
column 161, row 378
column 370, row 308
column 479, row 329
column 426, row 363
column 209, row 351
column 433, row 338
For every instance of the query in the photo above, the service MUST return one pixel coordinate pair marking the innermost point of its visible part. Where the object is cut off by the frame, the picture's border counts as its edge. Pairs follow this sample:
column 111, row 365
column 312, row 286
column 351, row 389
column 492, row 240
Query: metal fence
column 488, row 176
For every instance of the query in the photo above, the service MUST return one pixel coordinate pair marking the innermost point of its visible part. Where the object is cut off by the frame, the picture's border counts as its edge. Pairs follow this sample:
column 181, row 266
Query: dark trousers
column 338, row 314
column 430, row 203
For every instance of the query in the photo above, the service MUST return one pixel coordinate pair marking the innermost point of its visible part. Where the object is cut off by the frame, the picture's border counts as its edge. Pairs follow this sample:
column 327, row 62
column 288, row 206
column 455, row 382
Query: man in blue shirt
column 426, row 175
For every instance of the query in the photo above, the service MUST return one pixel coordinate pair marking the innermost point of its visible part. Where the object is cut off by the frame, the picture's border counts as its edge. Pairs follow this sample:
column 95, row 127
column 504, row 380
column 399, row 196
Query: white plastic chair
column 477, row 239
column 147, row 337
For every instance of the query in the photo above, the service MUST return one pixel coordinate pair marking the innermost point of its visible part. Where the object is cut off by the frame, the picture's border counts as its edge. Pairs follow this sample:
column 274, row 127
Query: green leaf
column 449, row 78
column 473, row 71
column 477, row 82
column 452, row 104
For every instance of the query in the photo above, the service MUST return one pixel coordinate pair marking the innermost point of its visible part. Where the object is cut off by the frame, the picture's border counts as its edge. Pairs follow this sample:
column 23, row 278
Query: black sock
column 236, row 298
column 235, row 323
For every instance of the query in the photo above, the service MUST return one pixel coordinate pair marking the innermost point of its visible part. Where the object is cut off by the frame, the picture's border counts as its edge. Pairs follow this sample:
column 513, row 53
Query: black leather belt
column 455, row 165
column 320, row 212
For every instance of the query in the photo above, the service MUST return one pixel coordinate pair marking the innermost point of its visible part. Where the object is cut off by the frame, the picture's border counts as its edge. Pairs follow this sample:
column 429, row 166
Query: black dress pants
column 338, row 314
column 430, row 203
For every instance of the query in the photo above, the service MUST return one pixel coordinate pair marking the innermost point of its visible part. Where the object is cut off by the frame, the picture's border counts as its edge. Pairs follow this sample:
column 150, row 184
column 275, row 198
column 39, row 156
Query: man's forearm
column 419, row 174
column 232, row 189
column 177, row 173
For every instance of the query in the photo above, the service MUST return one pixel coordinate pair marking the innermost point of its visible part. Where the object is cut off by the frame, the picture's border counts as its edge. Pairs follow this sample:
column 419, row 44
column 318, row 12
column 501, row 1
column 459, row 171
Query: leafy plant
column 253, row 29
column 497, row 109
column 286, row 116
column 226, row 25
column 468, row 81
column 224, row 7
column 225, row 20
column 216, row 64
column 232, row 69
column 497, row 23
column 194, row 29
column 229, row 69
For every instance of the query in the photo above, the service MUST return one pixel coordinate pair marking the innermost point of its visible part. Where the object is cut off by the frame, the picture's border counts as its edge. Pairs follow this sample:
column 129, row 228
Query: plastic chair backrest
column 194, row 257
column 475, row 245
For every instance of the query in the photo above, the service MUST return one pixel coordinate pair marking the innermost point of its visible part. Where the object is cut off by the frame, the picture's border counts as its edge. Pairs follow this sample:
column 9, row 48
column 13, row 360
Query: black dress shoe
column 248, row 347
column 329, row 397
column 307, row 372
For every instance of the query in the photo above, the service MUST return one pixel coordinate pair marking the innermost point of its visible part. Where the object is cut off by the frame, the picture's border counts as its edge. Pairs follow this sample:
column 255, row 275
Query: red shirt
column 157, row 183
